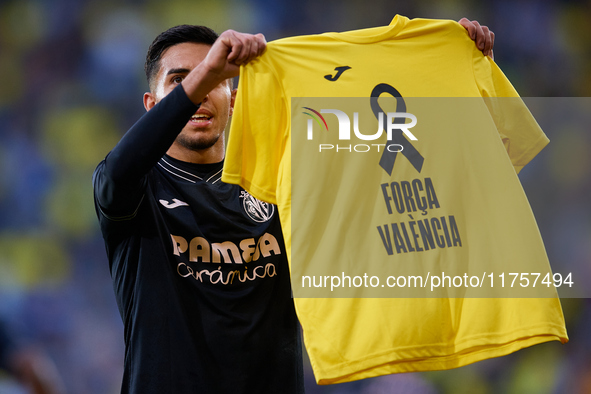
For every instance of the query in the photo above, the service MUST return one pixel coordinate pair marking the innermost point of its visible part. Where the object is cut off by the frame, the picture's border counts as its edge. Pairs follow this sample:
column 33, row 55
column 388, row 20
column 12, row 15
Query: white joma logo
column 175, row 203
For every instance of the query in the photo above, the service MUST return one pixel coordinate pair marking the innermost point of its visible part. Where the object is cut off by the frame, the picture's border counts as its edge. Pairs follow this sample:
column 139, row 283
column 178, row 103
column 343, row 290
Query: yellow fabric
column 356, row 338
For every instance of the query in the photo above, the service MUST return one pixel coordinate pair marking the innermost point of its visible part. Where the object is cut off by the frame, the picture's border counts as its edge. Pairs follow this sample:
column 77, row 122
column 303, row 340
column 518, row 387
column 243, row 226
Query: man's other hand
column 482, row 36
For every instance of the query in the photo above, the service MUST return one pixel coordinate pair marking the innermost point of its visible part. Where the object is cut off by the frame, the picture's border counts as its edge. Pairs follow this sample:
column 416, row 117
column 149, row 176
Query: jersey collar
column 374, row 34
column 192, row 172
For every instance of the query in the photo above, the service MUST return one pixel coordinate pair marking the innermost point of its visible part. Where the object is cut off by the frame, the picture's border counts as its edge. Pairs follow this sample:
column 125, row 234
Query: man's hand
column 223, row 61
column 231, row 50
column 482, row 35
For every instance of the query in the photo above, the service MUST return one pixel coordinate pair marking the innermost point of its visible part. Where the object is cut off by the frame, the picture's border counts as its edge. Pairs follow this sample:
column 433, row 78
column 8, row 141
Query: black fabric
column 199, row 270
column 7, row 346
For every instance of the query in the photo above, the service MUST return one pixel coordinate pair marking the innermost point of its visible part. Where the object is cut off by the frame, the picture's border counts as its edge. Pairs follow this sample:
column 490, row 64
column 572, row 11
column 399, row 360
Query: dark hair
column 175, row 35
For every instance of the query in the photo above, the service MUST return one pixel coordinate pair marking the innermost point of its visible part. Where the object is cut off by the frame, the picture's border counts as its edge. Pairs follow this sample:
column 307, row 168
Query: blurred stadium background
column 71, row 82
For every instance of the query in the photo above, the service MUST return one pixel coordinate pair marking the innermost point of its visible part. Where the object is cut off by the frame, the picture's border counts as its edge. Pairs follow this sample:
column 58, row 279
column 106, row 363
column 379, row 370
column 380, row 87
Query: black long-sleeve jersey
column 199, row 269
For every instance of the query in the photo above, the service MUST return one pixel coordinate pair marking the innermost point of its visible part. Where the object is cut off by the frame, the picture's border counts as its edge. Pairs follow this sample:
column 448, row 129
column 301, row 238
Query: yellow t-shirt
column 451, row 200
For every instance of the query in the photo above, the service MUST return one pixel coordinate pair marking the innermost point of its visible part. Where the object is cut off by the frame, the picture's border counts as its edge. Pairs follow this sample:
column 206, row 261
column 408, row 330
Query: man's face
column 206, row 127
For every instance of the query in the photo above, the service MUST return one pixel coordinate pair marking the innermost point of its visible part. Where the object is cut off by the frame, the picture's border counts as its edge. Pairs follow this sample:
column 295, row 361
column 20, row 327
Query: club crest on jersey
column 257, row 210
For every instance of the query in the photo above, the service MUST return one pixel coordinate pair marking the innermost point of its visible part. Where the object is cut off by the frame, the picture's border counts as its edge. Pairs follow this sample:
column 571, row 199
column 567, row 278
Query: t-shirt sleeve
column 258, row 140
column 521, row 135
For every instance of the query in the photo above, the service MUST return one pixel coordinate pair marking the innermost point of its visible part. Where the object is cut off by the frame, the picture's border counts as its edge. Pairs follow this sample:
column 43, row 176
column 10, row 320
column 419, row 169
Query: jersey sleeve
column 7, row 346
column 258, row 136
column 521, row 135
column 119, row 180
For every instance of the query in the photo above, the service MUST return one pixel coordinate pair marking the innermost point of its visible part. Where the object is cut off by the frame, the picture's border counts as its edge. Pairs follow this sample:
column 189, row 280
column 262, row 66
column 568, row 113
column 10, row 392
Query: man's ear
column 233, row 101
column 149, row 101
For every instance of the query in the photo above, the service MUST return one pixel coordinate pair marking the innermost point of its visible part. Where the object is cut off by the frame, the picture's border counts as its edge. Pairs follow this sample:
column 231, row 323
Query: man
column 199, row 267
column 31, row 367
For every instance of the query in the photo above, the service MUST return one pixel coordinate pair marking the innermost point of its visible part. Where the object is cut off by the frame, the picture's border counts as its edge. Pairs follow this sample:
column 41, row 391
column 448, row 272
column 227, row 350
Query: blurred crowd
column 71, row 83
